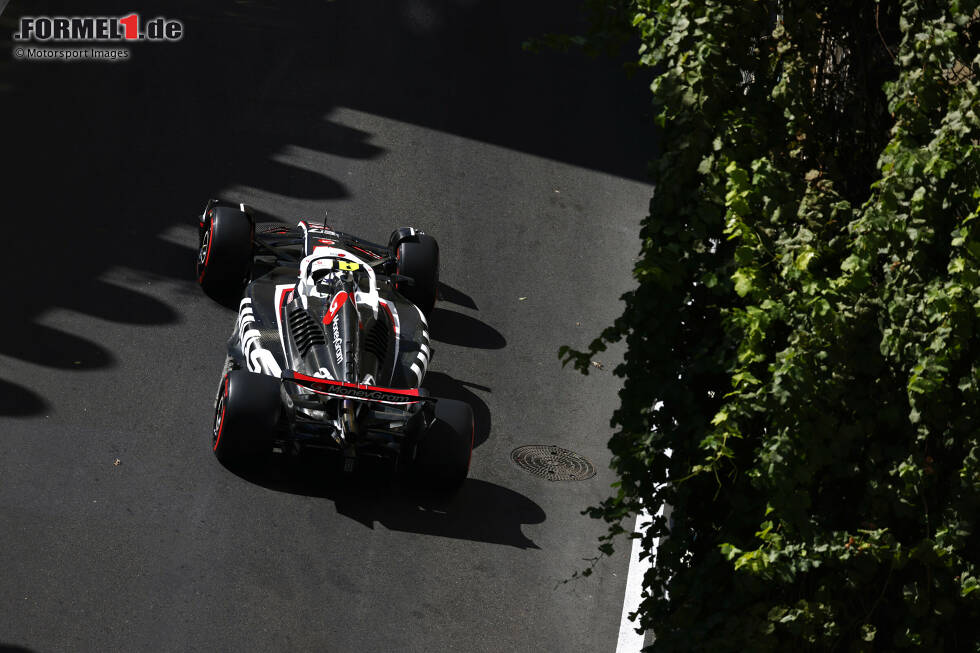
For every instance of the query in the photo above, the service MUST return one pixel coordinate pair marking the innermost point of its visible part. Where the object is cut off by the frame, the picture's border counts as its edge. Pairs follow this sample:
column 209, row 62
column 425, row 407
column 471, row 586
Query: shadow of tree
column 10, row 648
column 109, row 157
column 148, row 143
column 18, row 401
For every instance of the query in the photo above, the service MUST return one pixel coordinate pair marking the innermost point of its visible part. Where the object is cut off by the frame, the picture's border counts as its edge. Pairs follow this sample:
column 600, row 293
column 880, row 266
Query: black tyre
column 245, row 416
column 225, row 254
column 400, row 234
column 442, row 455
column 418, row 257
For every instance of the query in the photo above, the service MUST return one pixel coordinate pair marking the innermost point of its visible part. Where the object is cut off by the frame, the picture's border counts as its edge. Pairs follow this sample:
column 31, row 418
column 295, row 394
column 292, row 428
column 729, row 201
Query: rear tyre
column 245, row 416
column 418, row 257
column 225, row 254
column 443, row 451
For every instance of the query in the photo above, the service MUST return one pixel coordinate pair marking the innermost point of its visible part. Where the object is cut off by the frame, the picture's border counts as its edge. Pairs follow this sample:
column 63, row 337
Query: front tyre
column 418, row 257
column 225, row 253
column 245, row 416
column 444, row 448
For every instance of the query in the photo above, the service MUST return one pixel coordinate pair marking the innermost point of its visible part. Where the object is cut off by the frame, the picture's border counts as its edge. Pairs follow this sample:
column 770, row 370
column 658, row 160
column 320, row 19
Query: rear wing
column 355, row 391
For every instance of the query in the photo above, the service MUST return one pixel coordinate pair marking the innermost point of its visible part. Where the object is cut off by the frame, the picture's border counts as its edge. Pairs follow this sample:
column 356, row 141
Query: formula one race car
column 330, row 346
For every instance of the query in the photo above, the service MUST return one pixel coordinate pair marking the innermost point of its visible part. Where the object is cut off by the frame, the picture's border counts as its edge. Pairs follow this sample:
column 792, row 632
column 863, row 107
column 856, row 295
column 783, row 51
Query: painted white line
column 631, row 641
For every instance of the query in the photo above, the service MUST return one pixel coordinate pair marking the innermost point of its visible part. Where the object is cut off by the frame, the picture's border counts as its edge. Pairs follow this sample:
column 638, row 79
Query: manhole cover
column 553, row 463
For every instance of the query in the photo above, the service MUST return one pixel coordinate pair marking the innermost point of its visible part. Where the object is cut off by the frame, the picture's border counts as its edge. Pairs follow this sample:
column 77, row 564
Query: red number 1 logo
column 132, row 25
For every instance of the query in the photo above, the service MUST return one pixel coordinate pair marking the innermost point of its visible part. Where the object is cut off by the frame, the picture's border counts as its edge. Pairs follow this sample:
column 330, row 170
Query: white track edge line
column 631, row 641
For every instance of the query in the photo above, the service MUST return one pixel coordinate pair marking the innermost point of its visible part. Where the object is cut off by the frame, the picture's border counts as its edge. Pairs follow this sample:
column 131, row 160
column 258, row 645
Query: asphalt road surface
column 118, row 528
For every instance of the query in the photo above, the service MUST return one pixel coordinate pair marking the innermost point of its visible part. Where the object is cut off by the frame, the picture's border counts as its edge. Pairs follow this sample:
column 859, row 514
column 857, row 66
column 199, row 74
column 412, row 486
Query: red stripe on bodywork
column 282, row 300
column 313, row 379
column 338, row 301
column 365, row 251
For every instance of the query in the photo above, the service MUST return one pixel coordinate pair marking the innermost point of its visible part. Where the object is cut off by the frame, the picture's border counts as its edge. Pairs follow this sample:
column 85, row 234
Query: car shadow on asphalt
column 455, row 296
column 479, row 510
column 463, row 330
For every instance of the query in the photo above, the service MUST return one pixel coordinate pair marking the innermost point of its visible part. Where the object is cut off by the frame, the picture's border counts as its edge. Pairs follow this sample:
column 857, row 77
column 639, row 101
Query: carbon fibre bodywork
column 322, row 314
column 388, row 340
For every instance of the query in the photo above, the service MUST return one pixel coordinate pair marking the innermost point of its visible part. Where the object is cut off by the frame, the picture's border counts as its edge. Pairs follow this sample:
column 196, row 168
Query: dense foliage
column 804, row 332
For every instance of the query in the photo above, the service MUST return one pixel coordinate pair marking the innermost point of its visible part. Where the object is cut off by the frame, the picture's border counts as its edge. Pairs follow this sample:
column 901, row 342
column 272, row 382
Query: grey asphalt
column 118, row 528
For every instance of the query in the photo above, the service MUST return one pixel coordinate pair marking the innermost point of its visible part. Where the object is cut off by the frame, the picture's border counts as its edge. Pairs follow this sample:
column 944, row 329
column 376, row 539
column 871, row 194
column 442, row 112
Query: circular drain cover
column 553, row 463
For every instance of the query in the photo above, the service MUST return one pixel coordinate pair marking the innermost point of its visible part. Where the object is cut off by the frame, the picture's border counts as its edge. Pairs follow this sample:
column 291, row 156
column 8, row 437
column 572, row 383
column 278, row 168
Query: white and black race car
column 330, row 346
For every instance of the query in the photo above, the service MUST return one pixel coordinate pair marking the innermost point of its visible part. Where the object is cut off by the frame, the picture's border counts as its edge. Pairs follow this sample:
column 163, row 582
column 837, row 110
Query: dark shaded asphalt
column 528, row 169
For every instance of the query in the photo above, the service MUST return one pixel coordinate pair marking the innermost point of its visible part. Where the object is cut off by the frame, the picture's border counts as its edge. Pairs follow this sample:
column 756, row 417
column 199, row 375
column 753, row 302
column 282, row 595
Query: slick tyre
column 418, row 257
column 443, row 451
column 246, row 413
column 225, row 254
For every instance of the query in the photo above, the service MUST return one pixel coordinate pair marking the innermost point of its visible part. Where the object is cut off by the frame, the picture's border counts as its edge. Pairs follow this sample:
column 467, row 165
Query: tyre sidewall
column 444, row 448
column 247, row 411
column 225, row 252
column 418, row 258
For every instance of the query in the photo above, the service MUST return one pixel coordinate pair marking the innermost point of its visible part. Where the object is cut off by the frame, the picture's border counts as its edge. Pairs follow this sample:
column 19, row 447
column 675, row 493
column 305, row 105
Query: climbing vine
column 805, row 327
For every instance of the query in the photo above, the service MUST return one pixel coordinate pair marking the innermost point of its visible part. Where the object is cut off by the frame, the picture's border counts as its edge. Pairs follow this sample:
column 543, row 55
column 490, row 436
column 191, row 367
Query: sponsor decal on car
column 355, row 391
column 338, row 344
